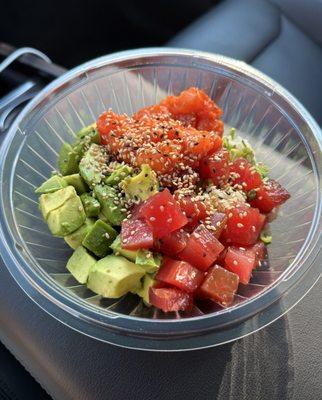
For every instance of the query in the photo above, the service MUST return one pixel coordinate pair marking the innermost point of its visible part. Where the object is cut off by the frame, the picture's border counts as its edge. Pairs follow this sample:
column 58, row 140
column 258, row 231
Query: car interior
column 281, row 38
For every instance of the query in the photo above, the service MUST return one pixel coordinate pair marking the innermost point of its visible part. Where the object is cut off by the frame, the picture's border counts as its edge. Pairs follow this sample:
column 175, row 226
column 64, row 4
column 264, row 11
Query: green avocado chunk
column 80, row 263
column 121, row 172
column 143, row 291
column 106, row 195
column 99, row 238
column 90, row 166
column 51, row 185
column 80, row 147
column 148, row 261
column 141, row 186
column 51, row 201
column 68, row 160
column 85, row 137
column 102, row 217
column 116, row 247
column 77, row 181
column 75, row 238
column 89, row 132
column 67, row 218
column 91, row 205
column 114, row 276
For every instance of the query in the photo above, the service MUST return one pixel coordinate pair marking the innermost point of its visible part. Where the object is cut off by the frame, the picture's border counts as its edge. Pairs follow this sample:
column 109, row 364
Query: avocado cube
column 114, row 276
column 79, row 147
column 89, row 133
column 75, row 238
column 52, row 184
column 148, row 261
column 85, row 137
column 102, row 217
column 99, row 238
column 51, row 201
column 77, row 181
column 141, row 186
column 116, row 247
column 68, row 160
column 143, row 290
column 107, row 196
column 67, row 218
column 80, row 263
column 118, row 175
column 90, row 166
column 91, row 205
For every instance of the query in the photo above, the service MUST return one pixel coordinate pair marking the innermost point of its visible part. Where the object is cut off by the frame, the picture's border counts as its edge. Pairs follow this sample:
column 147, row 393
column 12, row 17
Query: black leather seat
column 282, row 38
column 15, row 382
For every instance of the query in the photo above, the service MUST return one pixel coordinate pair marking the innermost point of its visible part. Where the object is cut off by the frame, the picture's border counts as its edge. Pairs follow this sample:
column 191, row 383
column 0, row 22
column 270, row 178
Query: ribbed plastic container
column 285, row 137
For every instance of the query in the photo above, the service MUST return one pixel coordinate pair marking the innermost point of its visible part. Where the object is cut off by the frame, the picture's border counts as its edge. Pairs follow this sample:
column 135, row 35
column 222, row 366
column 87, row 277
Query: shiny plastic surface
column 285, row 136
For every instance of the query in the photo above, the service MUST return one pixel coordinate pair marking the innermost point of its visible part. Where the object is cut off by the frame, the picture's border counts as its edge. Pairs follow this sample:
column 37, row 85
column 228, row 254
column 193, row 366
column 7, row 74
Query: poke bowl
column 277, row 128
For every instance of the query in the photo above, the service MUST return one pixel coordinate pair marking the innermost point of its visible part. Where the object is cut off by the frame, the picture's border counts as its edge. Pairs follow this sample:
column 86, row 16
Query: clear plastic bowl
column 283, row 133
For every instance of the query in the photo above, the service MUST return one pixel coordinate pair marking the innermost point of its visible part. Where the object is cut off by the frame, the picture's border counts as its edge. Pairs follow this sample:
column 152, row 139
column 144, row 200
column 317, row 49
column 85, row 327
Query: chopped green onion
column 226, row 143
column 232, row 133
column 252, row 194
column 265, row 238
column 238, row 147
column 262, row 169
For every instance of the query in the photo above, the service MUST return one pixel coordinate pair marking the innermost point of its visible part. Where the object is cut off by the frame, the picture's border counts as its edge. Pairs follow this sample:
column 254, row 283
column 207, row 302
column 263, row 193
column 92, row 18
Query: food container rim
column 39, row 289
